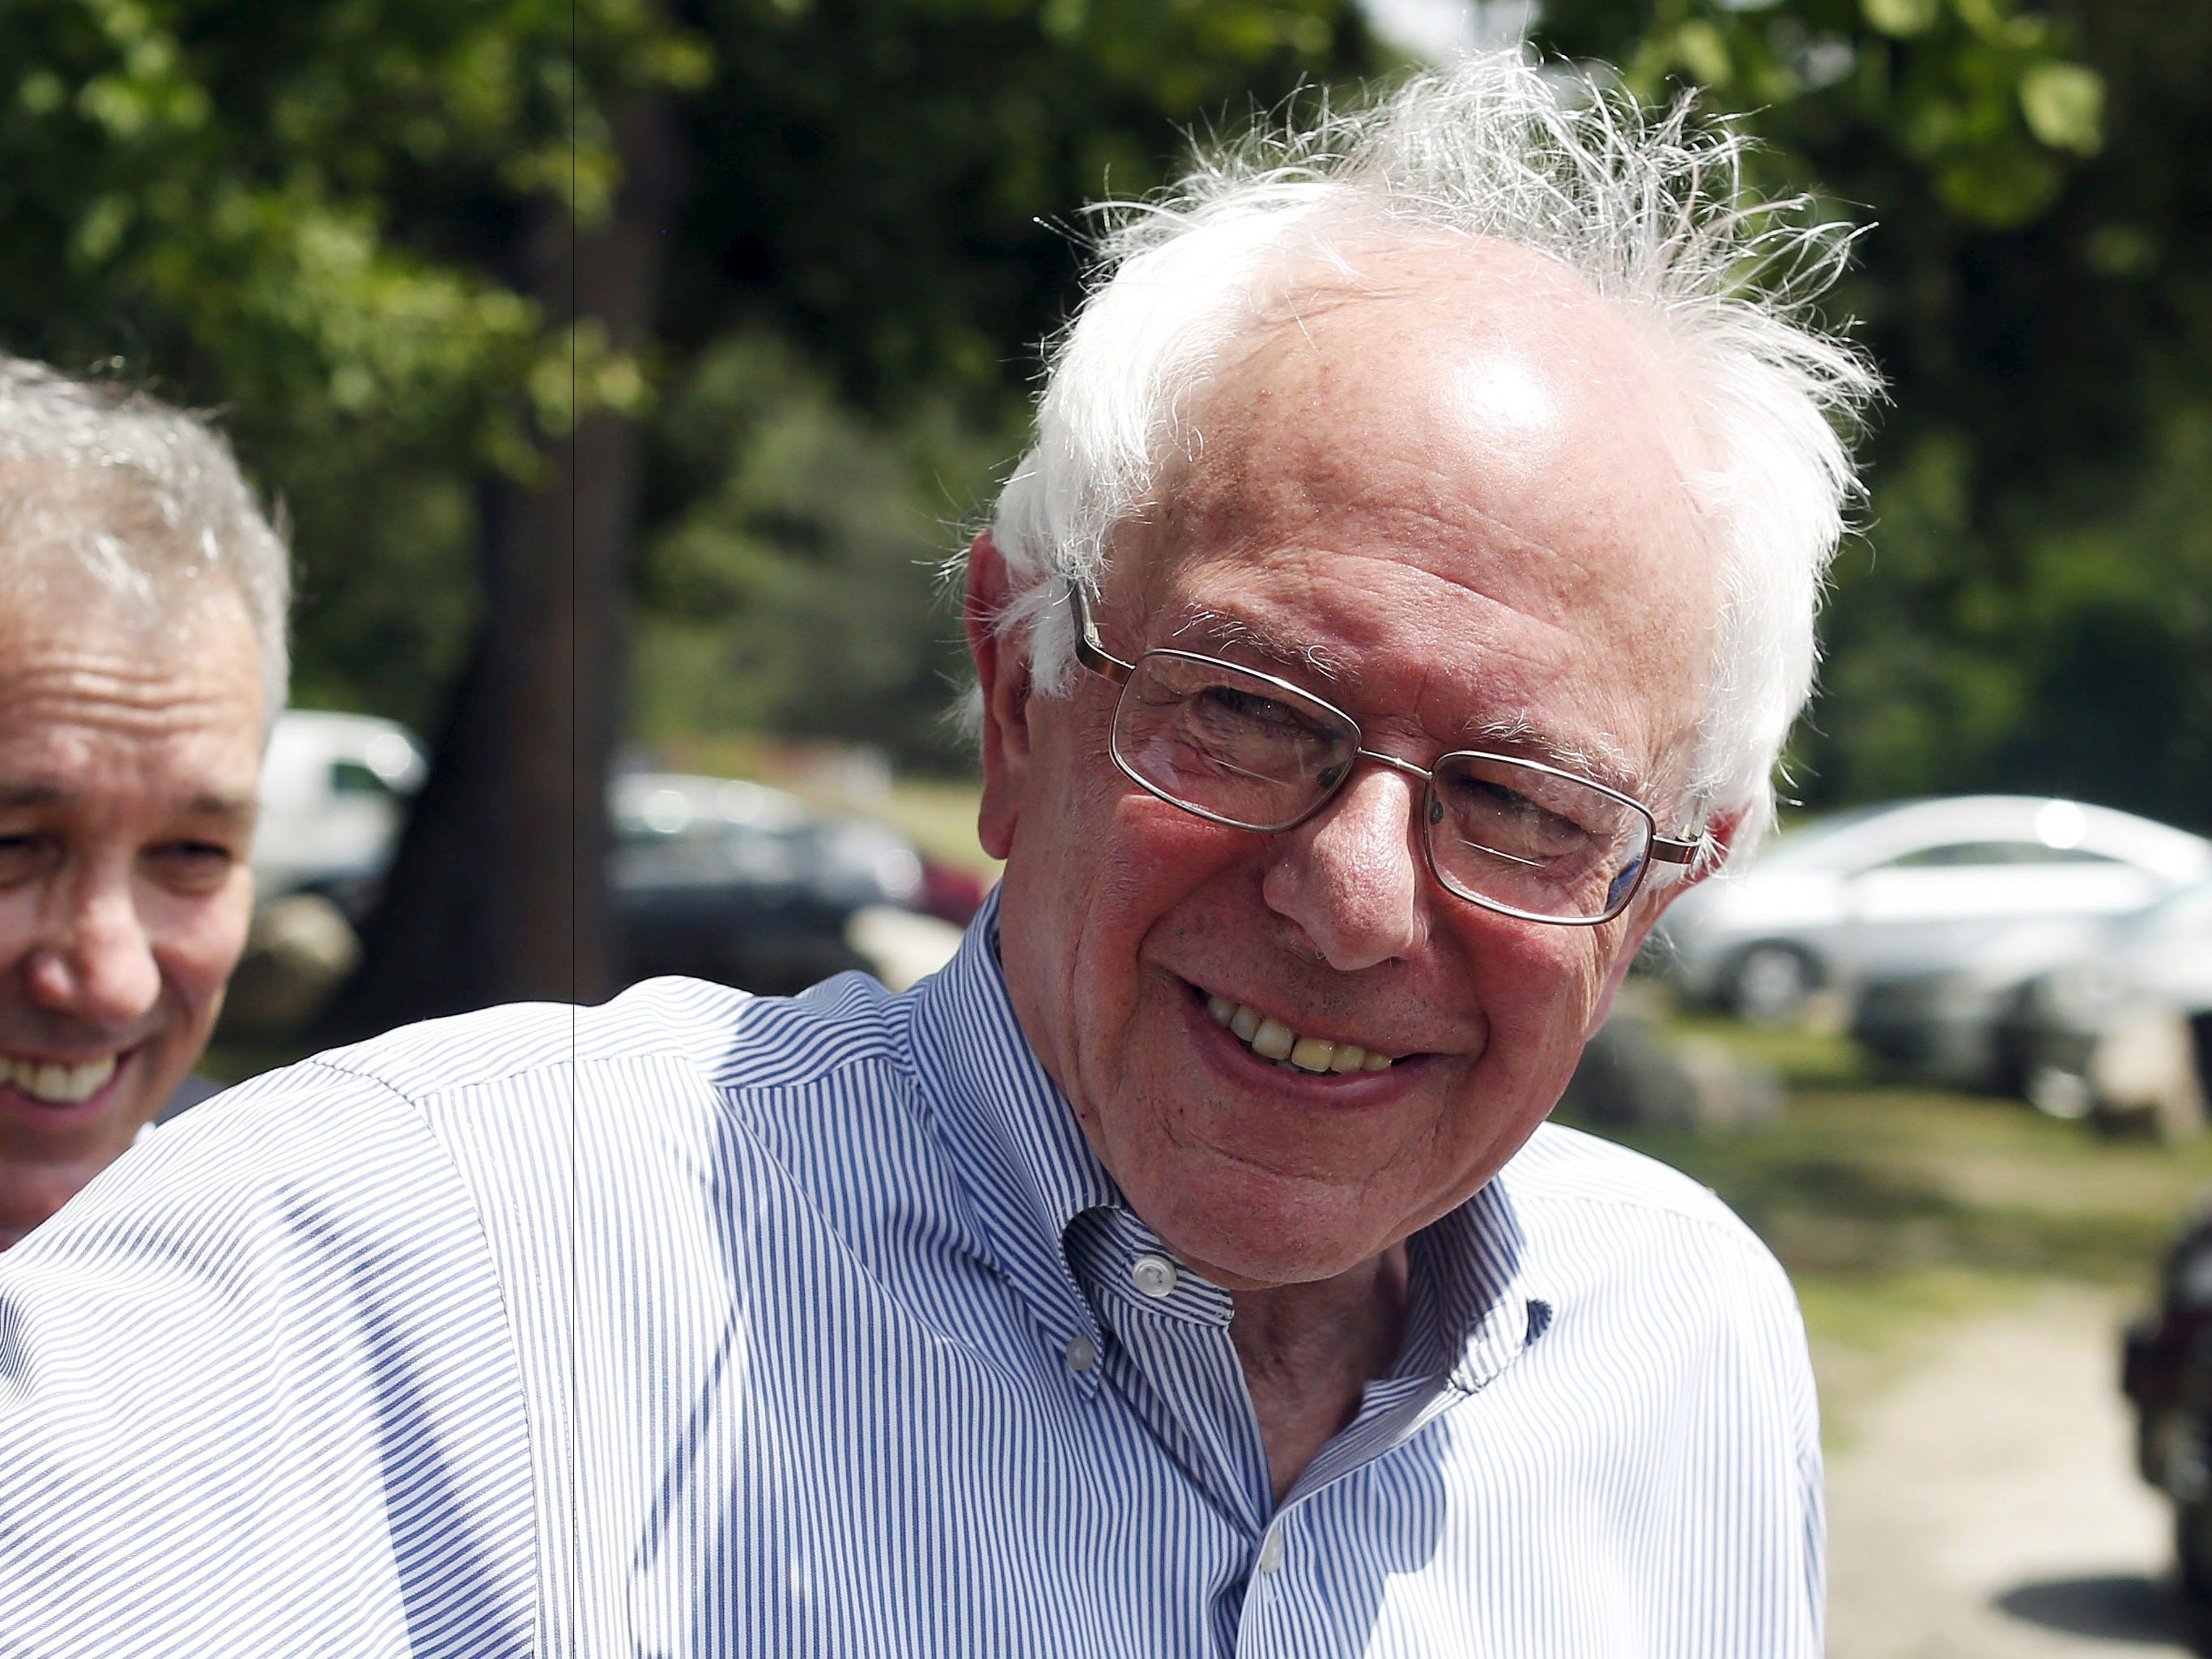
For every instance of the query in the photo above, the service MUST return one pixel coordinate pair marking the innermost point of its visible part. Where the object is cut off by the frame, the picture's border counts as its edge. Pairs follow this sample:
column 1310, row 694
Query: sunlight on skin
column 129, row 756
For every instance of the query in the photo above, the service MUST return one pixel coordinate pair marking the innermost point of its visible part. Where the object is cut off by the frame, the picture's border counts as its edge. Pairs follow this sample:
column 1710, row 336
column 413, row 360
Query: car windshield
column 2188, row 912
column 1813, row 843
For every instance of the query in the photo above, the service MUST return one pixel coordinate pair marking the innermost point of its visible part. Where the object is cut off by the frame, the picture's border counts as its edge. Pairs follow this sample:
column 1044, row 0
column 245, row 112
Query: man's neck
column 1308, row 1352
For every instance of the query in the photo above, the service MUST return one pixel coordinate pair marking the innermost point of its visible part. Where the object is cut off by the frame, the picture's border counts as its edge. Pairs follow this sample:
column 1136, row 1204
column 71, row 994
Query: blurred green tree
column 874, row 244
column 406, row 246
column 889, row 181
column 433, row 258
column 797, row 590
column 2031, row 607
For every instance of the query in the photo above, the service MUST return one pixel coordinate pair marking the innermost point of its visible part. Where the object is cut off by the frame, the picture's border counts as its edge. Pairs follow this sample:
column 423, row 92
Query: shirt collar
column 1029, row 1173
column 1488, row 1305
column 1013, row 1136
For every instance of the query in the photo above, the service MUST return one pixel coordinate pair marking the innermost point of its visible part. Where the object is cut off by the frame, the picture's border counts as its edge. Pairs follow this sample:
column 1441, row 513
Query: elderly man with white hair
column 1406, row 595
column 141, row 655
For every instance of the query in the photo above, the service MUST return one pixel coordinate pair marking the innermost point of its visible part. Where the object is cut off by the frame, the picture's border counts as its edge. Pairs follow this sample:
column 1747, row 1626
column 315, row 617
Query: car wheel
column 1770, row 983
column 2192, row 1550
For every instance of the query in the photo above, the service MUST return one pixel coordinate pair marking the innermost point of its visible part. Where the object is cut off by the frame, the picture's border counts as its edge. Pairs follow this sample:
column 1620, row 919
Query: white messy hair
column 1649, row 209
column 142, row 500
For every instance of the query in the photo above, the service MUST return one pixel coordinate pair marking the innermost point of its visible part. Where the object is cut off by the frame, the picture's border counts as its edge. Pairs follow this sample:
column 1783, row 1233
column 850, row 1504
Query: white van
column 334, row 793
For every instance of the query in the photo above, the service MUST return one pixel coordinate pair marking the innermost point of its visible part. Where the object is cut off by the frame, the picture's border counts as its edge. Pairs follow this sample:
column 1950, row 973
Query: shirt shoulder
column 1642, row 1267
column 267, row 1347
column 725, row 1037
column 678, row 1102
column 1591, row 1201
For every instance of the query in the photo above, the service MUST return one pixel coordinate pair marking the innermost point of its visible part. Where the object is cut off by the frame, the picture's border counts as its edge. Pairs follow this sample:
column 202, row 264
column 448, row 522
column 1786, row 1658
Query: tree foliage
column 297, row 214
column 415, row 251
column 893, row 183
column 798, row 590
column 2032, row 605
column 883, row 226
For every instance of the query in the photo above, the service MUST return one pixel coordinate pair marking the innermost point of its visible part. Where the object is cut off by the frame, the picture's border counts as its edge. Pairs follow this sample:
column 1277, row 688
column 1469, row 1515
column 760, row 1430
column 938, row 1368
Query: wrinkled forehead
column 67, row 642
column 1476, row 412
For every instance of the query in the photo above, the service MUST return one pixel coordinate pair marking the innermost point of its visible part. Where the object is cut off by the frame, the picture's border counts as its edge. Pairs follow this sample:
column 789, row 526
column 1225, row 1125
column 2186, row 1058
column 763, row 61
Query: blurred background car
column 1912, row 888
column 2167, row 1374
column 732, row 881
column 2124, row 1035
column 335, row 792
column 718, row 879
column 1952, row 1023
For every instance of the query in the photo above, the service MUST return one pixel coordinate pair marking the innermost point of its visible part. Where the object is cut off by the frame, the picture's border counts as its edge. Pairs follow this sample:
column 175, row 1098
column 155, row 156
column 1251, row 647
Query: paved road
column 1986, row 1507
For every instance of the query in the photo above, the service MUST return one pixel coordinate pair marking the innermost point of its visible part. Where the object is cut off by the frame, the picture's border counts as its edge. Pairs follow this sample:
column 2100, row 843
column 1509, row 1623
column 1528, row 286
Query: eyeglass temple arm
column 1088, row 651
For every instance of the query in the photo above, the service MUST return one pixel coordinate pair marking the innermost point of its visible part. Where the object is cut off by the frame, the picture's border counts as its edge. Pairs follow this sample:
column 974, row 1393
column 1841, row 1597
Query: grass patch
column 1899, row 1212
column 939, row 817
column 1801, row 1056
column 937, row 814
column 1880, row 1180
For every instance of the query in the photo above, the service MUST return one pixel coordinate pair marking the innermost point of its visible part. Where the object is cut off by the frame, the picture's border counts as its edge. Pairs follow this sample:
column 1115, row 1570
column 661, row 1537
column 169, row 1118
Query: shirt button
column 1082, row 1354
column 1271, row 1550
column 1154, row 1276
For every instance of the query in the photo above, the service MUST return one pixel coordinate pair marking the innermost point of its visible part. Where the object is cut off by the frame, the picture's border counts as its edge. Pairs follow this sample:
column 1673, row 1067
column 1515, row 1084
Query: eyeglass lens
column 1240, row 748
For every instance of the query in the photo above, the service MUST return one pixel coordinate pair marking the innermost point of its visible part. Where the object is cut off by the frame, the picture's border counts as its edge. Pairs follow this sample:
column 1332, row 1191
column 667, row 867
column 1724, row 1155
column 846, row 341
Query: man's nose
column 1351, row 876
column 94, row 960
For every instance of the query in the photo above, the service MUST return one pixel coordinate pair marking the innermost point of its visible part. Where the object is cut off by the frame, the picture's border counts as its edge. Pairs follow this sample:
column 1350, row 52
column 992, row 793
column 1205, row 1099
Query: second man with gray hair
column 142, row 658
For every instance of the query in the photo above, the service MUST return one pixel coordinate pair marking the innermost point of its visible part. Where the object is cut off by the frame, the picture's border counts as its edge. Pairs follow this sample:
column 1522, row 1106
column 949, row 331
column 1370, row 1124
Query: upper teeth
column 57, row 1085
column 1272, row 1040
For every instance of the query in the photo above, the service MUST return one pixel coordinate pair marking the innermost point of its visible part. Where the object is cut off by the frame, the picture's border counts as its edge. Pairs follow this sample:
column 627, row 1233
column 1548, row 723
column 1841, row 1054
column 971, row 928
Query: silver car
column 1915, row 887
column 2125, row 1034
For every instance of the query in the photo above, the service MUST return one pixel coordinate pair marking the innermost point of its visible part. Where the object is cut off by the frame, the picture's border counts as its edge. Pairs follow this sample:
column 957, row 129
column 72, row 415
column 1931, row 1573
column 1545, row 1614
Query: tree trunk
column 498, row 890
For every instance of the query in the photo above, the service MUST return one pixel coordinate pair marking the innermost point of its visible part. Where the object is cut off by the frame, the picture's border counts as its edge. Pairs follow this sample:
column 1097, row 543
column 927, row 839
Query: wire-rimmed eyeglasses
column 1250, row 751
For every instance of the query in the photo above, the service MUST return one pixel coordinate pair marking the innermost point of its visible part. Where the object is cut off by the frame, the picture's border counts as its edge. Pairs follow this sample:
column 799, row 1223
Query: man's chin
column 1260, row 1232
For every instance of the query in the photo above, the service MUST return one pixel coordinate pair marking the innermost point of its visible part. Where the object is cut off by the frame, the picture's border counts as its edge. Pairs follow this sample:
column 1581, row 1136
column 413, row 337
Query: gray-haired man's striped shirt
column 702, row 1324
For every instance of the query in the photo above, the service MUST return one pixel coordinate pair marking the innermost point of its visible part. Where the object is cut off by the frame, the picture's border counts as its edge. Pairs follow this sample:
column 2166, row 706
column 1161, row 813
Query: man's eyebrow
column 213, row 805
column 1597, row 760
column 207, row 804
column 1217, row 631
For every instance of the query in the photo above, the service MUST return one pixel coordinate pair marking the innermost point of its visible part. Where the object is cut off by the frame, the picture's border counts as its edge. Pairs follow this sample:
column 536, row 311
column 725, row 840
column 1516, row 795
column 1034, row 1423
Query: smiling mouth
column 52, row 1085
column 1270, row 1039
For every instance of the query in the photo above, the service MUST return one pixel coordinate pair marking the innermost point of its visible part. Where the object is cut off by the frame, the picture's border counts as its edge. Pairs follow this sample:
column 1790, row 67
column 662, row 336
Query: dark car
column 1956, row 1025
column 722, row 879
column 2168, row 1373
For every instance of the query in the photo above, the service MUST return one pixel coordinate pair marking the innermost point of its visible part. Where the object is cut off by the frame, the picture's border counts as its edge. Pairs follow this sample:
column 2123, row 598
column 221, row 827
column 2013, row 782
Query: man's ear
column 1002, row 677
column 1649, row 908
column 1721, row 833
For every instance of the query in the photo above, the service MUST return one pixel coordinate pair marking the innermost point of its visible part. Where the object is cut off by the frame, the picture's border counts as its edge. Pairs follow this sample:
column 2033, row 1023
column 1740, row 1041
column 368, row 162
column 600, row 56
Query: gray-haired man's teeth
column 1272, row 1040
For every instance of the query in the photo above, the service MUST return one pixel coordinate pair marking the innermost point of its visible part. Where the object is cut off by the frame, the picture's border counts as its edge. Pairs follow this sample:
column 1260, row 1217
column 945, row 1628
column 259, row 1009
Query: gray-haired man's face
column 129, row 760
column 1467, row 502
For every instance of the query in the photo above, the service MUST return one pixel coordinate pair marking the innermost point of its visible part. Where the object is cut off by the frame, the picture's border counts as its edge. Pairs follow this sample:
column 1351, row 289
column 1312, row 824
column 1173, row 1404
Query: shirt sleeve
column 1767, row 1372
column 258, row 1395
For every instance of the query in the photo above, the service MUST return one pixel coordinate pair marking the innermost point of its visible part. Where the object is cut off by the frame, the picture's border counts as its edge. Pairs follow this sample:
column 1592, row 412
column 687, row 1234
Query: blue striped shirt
column 700, row 1324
